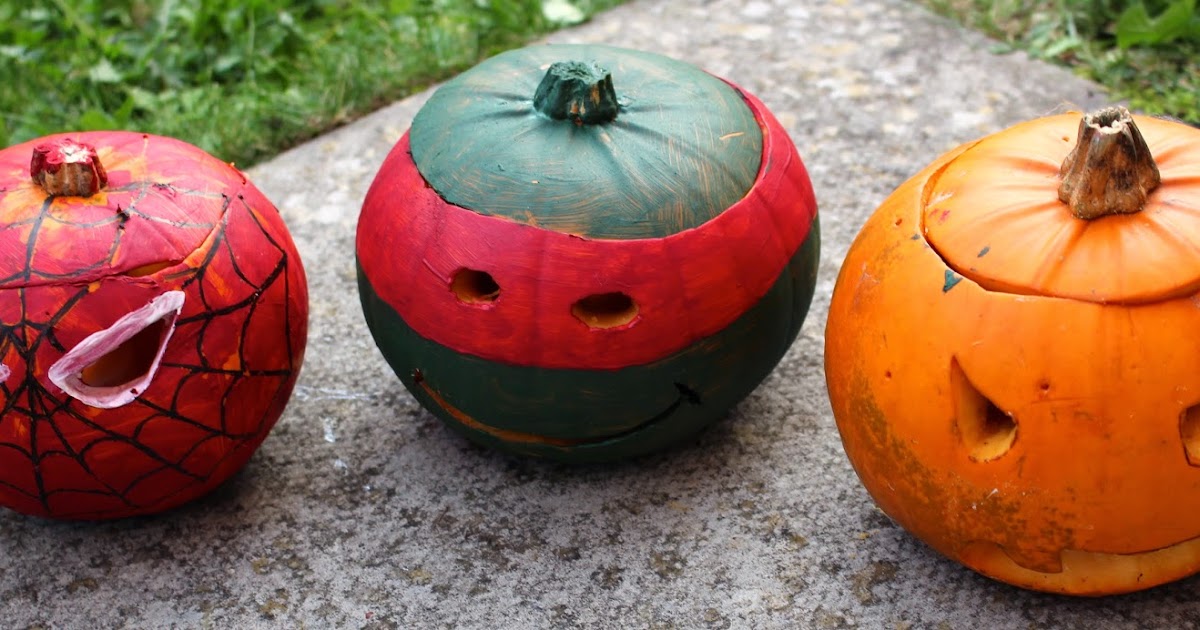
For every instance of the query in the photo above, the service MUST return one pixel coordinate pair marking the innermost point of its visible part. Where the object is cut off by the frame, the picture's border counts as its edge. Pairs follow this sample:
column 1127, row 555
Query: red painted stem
column 65, row 167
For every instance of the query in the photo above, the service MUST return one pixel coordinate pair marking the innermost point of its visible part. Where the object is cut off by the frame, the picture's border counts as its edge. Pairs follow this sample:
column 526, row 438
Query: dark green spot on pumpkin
column 952, row 279
column 983, row 252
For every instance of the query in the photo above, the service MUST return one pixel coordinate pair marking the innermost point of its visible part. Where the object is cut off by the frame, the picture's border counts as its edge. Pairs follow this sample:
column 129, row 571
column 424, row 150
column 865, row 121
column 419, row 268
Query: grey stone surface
column 361, row 510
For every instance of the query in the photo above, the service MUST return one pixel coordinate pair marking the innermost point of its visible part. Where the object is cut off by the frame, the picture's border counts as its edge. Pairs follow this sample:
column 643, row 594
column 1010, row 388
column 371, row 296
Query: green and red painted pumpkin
column 586, row 252
column 153, row 312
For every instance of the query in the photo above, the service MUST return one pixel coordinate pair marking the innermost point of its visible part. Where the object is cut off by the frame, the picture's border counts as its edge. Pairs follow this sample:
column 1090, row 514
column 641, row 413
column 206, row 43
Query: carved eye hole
column 605, row 310
column 475, row 287
column 113, row 366
column 986, row 430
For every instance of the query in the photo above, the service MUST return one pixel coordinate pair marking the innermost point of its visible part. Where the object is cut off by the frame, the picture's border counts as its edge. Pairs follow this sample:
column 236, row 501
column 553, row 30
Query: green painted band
column 598, row 415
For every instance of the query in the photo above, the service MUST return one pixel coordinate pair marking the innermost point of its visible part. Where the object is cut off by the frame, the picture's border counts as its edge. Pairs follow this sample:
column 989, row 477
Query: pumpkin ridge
column 1186, row 179
column 1166, row 149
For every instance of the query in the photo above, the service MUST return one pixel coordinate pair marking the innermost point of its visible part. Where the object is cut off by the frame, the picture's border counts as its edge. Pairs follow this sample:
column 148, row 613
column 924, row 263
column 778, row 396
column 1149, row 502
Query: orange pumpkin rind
column 1034, row 420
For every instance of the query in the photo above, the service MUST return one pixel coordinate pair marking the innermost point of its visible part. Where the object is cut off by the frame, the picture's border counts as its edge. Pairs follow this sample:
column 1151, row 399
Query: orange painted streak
column 687, row 286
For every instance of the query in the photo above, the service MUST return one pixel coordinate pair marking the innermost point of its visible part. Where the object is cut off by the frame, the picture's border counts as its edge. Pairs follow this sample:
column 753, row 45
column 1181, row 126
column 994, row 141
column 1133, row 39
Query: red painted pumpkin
column 153, row 312
column 1013, row 353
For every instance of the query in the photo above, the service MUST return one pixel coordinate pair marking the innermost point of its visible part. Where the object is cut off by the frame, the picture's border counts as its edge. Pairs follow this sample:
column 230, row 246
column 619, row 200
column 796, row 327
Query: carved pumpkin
column 152, row 323
column 1013, row 354
column 589, row 259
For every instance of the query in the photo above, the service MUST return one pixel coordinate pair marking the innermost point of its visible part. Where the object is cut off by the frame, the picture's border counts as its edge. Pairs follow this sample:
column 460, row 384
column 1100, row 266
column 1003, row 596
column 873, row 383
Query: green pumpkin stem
column 580, row 92
column 1110, row 170
column 66, row 168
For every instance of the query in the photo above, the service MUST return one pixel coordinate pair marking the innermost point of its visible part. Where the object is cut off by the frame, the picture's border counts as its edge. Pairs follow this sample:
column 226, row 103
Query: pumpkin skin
column 717, row 260
column 150, row 333
column 1019, row 387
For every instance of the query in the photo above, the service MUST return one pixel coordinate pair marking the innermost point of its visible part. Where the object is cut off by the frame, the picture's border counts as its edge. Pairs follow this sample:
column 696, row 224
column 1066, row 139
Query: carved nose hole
column 1189, row 432
column 475, row 287
column 605, row 310
column 986, row 430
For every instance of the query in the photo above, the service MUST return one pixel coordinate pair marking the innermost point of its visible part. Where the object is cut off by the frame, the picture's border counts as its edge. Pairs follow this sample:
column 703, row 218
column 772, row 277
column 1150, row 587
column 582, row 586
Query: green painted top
column 592, row 140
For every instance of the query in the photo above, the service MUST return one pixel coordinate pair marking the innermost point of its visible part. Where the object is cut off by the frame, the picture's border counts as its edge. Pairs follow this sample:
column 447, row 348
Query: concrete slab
column 361, row 510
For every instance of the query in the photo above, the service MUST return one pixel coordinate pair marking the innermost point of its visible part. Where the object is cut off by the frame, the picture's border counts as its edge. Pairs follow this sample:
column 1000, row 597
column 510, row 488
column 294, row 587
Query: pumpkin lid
column 994, row 212
column 589, row 140
column 78, row 207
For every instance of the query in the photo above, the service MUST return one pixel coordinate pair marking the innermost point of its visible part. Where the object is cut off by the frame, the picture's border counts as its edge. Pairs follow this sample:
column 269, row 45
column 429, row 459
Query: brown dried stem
column 1110, row 170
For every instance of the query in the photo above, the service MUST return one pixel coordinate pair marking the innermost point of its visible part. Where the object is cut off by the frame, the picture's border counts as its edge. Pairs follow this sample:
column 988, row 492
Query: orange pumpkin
column 1013, row 354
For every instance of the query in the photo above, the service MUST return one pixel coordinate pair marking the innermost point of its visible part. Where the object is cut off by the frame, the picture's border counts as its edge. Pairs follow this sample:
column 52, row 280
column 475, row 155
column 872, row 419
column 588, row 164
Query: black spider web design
column 34, row 402
column 28, row 275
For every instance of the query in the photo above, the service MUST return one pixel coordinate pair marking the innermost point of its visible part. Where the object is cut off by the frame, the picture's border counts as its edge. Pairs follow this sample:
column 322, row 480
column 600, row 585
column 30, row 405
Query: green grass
column 1147, row 52
column 242, row 79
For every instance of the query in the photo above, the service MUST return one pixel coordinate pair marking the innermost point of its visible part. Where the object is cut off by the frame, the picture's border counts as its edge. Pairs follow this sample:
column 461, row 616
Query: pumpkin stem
column 67, row 168
column 580, row 92
column 1110, row 170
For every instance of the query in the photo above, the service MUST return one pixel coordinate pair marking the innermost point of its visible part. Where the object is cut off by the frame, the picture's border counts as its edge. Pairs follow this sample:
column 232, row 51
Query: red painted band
column 687, row 286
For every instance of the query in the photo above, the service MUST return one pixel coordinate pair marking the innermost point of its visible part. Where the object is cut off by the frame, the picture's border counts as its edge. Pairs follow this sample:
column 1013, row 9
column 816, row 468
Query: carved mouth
column 686, row 396
column 1086, row 572
column 112, row 367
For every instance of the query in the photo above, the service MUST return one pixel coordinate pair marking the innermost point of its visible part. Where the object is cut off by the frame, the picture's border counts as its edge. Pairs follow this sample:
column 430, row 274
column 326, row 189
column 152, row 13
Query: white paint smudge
column 306, row 393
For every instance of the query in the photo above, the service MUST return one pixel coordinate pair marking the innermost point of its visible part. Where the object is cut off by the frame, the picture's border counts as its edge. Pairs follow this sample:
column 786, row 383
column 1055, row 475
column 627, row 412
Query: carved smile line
column 1076, row 560
column 686, row 395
